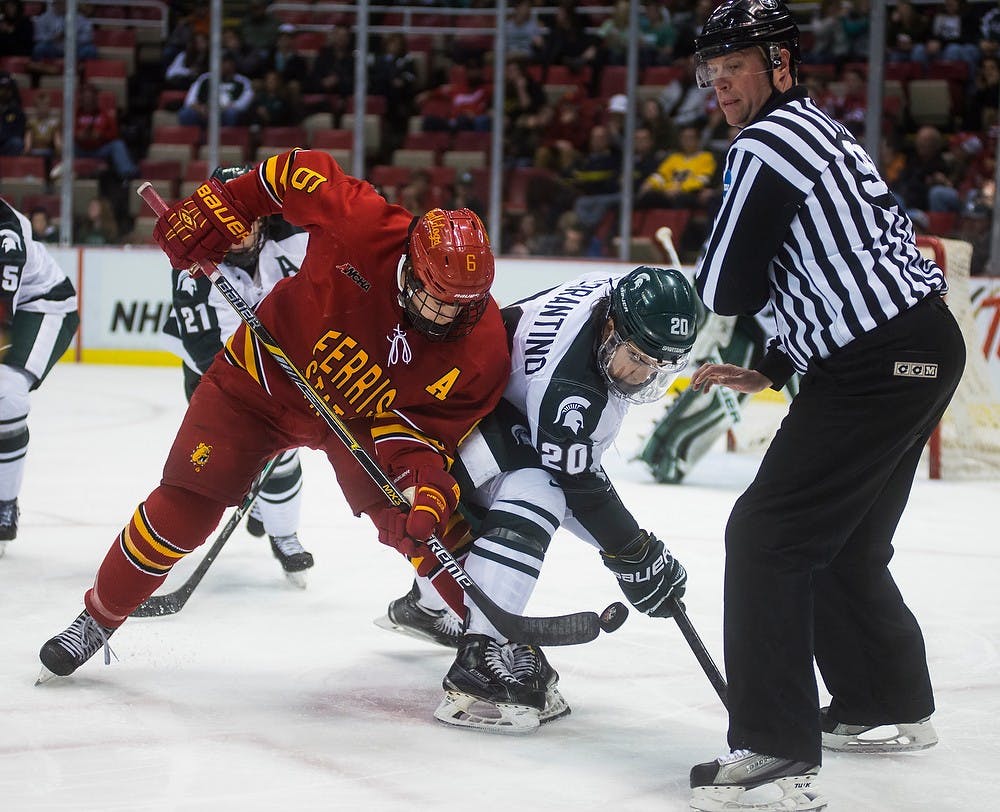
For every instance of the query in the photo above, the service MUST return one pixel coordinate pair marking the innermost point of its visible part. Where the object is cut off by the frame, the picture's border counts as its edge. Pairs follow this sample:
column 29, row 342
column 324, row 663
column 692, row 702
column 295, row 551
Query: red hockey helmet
column 445, row 284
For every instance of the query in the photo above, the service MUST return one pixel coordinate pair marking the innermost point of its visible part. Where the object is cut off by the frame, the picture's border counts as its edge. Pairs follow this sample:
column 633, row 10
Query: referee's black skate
column 294, row 558
column 532, row 668
column 897, row 737
column 68, row 650
column 481, row 691
column 9, row 514
column 746, row 780
column 407, row 616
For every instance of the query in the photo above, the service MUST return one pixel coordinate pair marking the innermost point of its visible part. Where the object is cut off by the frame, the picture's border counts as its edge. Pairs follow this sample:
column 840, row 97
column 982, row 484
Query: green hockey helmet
column 653, row 315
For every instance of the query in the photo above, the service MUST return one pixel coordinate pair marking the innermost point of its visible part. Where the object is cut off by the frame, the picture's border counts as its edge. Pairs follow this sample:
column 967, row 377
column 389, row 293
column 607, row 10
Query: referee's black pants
column 808, row 543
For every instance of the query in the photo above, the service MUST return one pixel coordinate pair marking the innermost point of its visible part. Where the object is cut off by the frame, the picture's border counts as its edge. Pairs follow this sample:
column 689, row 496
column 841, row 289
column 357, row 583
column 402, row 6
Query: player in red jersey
column 389, row 318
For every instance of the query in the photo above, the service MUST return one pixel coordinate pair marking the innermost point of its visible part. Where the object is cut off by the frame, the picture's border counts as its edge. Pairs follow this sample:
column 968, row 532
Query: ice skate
column 744, row 780
column 482, row 693
column 255, row 522
column 532, row 668
column 406, row 616
column 68, row 650
column 295, row 559
column 9, row 513
column 901, row 737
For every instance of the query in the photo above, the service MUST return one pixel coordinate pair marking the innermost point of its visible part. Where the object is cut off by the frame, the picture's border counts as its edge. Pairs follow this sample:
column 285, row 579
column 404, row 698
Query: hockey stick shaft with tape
column 700, row 652
column 561, row 630
column 172, row 602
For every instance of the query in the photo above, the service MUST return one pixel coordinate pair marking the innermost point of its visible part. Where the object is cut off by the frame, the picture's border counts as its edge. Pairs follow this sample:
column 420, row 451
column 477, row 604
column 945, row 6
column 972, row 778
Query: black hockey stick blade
column 700, row 652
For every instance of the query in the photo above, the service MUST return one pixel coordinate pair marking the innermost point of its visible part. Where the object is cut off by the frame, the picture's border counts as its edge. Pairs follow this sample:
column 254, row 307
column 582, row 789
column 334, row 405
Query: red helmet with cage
column 445, row 282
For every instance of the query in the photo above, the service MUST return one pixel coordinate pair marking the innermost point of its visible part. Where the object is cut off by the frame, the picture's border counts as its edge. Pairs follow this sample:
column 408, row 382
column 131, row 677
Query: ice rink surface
column 258, row 696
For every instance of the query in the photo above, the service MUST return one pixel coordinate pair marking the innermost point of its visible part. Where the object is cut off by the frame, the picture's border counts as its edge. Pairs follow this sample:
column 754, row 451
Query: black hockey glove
column 648, row 574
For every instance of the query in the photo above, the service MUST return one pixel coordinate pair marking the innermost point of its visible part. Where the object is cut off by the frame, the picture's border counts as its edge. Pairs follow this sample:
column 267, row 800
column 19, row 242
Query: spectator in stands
column 393, row 75
column 989, row 31
column 333, row 68
column 259, row 29
column 612, row 34
column 525, row 35
column 463, row 195
column 235, row 97
column 566, row 41
column 926, row 184
column 95, row 131
column 525, row 239
column 469, row 104
column 646, row 156
column 42, row 227
column 850, row 107
column 98, row 225
column 565, row 128
column 189, row 64
column 197, row 22
column 981, row 110
column 830, row 44
column 657, row 34
column 12, row 121
column 953, row 36
column 43, row 131
column 892, row 159
column 50, row 33
column 661, row 127
column 17, row 35
column 524, row 99
column 273, row 105
column 249, row 63
column 907, row 31
column 614, row 118
column 415, row 195
column 288, row 62
column 683, row 100
column 683, row 180
column 595, row 176
column 855, row 23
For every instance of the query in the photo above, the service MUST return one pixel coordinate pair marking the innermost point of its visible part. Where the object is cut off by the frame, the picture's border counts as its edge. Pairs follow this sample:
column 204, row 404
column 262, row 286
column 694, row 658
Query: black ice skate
column 743, row 779
column 407, row 616
column 9, row 513
column 67, row 651
column 255, row 522
column 531, row 668
column 899, row 737
column 294, row 558
column 482, row 693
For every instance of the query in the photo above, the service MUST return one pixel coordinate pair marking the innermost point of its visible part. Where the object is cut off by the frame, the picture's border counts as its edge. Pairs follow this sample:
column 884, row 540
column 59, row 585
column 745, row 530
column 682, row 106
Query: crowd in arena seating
column 288, row 80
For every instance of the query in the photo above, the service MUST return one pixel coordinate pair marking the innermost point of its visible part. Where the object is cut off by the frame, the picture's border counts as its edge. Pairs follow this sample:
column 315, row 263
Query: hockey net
column 966, row 445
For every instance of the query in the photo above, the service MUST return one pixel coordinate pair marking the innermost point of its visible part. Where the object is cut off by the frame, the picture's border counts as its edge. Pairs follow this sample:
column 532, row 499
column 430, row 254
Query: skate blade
column 905, row 739
column 44, row 676
column 470, row 712
column 555, row 707
column 298, row 579
column 386, row 623
column 796, row 795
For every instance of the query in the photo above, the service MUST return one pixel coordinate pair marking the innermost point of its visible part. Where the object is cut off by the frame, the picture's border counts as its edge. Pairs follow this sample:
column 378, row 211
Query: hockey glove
column 434, row 498
column 648, row 575
column 202, row 226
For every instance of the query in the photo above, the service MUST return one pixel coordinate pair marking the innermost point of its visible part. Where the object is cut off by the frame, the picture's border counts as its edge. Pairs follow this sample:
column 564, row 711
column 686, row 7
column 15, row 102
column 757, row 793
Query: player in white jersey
column 38, row 317
column 201, row 321
column 581, row 354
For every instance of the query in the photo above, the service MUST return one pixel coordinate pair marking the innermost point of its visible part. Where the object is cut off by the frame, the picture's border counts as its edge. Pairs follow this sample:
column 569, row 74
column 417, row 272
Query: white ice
column 259, row 696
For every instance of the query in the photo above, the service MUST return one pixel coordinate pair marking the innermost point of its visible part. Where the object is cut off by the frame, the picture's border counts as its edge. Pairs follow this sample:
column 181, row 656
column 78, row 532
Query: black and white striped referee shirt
column 808, row 223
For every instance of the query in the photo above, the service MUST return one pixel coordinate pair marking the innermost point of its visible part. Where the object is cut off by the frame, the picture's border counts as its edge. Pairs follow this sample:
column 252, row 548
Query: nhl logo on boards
column 199, row 457
column 914, row 369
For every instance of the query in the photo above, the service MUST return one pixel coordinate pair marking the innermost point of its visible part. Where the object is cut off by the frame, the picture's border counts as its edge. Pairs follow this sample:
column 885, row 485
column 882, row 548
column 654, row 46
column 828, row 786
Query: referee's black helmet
column 739, row 24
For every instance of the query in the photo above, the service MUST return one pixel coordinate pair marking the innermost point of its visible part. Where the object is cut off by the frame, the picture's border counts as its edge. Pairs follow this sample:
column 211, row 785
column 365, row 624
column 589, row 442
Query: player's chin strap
column 561, row 630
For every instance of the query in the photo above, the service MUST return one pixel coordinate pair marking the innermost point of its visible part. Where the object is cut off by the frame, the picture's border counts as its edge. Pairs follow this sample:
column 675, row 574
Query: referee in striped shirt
column 808, row 225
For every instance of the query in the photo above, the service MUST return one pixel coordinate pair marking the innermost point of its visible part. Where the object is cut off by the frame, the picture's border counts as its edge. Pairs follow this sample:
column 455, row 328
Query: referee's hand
column 748, row 381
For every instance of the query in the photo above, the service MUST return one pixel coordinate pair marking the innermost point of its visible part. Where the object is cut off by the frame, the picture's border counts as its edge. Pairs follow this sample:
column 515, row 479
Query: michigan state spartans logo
column 199, row 457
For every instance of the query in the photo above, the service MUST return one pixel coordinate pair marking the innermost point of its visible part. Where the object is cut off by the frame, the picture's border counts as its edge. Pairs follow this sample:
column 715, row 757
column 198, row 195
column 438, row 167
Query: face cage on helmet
column 246, row 257
column 458, row 327
column 649, row 390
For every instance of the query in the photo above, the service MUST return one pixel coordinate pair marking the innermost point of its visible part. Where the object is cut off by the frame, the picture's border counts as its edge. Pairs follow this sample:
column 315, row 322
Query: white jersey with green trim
column 29, row 277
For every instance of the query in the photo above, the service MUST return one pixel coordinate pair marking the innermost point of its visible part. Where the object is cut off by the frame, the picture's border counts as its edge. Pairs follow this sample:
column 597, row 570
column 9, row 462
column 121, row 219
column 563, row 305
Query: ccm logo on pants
column 908, row 369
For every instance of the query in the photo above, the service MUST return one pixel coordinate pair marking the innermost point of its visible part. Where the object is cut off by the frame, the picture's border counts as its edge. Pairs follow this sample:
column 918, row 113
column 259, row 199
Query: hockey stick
column 562, row 630
column 700, row 652
column 173, row 602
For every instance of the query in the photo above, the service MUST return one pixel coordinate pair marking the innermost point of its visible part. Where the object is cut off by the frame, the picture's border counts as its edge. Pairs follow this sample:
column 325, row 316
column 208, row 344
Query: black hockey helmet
column 739, row 24
column 653, row 311
column 246, row 253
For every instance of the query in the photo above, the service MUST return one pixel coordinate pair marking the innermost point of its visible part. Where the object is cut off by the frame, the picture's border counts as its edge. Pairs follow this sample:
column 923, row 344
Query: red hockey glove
column 435, row 498
column 391, row 525
column 202, row 226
